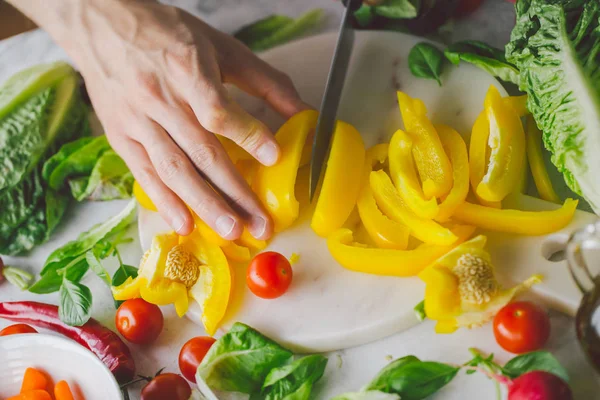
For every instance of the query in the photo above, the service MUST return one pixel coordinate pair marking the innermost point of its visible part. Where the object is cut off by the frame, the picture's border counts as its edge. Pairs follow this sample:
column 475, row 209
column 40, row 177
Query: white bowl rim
column 26, row 339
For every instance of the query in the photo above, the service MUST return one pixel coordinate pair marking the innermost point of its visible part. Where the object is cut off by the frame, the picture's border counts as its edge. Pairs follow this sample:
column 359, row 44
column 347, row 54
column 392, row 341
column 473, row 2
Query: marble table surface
column 348, row 369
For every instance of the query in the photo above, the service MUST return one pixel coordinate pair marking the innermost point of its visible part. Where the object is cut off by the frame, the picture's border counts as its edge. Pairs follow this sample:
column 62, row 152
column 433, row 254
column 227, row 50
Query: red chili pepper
column 103, row 342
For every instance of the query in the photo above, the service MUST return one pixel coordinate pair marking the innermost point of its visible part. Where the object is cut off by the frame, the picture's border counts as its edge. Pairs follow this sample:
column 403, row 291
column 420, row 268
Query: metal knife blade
column 331, row 98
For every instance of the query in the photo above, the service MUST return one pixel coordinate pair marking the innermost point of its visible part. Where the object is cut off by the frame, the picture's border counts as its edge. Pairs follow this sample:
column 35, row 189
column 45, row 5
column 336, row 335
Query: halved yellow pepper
column 235, row 152
column 236, row 253
column 213, row 287
column 537, row 163
column 477, row 156
column 404, row 176
column 167, row 292
column 274, row 185
column 455, row 147
column 507, row 143
column 250, row 241
column 247, row 169
column 386, row 233
column 432, row 162
column 340, row 186
column 357, row 257
column 515, row 221
column 392, row 205
column 518, row 103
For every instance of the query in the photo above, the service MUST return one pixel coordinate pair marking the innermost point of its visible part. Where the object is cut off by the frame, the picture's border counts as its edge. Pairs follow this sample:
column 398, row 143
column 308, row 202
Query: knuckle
column 216, row 119
column 147, row 83
column 204, row 156
column 170, row 165
column 184, row 58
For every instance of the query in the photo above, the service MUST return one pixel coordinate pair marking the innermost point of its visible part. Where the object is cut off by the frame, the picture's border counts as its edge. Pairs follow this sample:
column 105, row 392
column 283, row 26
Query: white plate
column 61, row 359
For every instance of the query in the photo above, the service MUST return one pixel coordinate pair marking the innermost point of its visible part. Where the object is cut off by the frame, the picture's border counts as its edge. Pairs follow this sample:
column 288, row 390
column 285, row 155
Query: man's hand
column 155, row 76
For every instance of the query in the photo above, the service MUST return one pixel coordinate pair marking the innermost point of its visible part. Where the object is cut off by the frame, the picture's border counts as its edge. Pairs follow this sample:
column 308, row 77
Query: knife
column 331, row 98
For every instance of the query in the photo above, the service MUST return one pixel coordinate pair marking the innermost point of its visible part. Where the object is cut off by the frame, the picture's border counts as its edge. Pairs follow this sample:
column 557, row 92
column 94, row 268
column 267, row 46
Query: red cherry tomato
column 167, row 386
column 16, row 329
column 521, row 327
column 466, row 7
column 269, row 275
column 191, row 355
column 139, row 321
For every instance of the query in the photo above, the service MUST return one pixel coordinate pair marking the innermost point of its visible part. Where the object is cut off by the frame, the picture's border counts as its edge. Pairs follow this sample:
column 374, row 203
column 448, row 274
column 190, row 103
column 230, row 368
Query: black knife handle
column 354, row 4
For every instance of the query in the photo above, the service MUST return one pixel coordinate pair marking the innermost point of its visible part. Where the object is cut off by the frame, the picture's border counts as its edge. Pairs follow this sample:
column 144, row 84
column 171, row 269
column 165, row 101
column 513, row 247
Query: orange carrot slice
column 62, row 391
column 34, row 380
column 32, row 395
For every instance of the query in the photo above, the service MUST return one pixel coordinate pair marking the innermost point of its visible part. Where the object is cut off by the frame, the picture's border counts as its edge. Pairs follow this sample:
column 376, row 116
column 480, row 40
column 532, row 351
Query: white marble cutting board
column 328, row 307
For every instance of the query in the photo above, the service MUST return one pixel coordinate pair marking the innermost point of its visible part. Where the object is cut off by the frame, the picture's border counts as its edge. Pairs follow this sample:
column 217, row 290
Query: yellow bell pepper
column 478, row 147
column 404, row 176
column 514, row 221
column 392, row 205
column 213, row 288
column 432, row 162
column 274, row 185
column 340, row 186
column 235, row 152
column 518, row 103
column 455, row 147
column 507, row 143
column 250, row 241
column 247, row 169
column 142, row 198
column 357, row 257
column 246, row 239
column 236, row 253
column 537, row 163
column 386, row 233
column 461, row 289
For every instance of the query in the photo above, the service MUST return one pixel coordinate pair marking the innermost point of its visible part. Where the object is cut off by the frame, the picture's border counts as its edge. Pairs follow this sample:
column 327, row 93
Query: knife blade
column 331, row 97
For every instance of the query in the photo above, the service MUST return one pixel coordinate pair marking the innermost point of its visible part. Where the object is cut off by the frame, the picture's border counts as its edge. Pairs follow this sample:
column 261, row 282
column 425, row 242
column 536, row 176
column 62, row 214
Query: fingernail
column 268, row 154
column 178, row 222
column 225, row 225
column 259, row 225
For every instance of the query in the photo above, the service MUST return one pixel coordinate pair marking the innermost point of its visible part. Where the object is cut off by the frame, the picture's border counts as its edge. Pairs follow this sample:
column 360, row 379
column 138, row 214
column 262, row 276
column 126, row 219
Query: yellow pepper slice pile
column 340, row 186
column 432, row 162
column 404, row 176
column 461, row 289
column 386, row 233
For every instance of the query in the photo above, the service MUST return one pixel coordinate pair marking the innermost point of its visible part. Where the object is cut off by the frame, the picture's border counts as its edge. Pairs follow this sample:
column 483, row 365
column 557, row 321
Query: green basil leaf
column 241, row 359
column 88, row 239
column 294, row 381
column 50, row 282
column 65, row 151
column 420, row 311
column 412, row 379
column 75, row 303
column 368, row 395
column 103, row 249
column 386, row 376
column 426, row 61
column 534, row 361
column 120, row 276
column 96, row 266
column 484, row 56
column 398, row 9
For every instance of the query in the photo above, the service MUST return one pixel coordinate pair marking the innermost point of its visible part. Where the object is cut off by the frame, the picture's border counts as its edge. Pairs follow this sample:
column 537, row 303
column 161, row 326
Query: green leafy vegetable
column 293, row 381
column 96, row 266
column 426, row 61
column 88, row 239
column 368, row 395
column 484, row 56
column 556, row 47
column 56, row 205
column 109, row 180
column 74, row 269
column 386, row 376
column 240, row 360
column 396, row 9
column 534, row 361
column 65, row 151
column 17, row 277
column 75, row 303
column 121, row 275
column 276, row 30
column 364, row 15
column 420, row 311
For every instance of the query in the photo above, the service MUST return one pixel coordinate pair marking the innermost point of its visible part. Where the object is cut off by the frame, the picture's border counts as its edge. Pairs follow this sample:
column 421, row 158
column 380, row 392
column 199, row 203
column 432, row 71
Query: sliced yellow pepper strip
column 356, row 257
column 236, row 253
column 477, row 156
column 208, row 233
column 394, row 207
column 166, row 292
column 142, row 197
column 386, row 233
column 340, row 187
column 432, row 162
column 404, row 176
column 213, row 288
column 274, row 185
column 514, row 221
column 455, row 147
column 537, row 164
column 250, row 241
column 507, row 143
column 518, row 103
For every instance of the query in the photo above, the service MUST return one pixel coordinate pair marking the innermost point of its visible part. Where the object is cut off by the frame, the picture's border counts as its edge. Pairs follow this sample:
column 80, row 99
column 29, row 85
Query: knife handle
column 354, row 4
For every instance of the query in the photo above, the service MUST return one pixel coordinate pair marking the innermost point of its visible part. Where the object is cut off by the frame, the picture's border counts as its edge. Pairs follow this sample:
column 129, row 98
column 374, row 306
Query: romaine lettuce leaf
column 556, row 47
